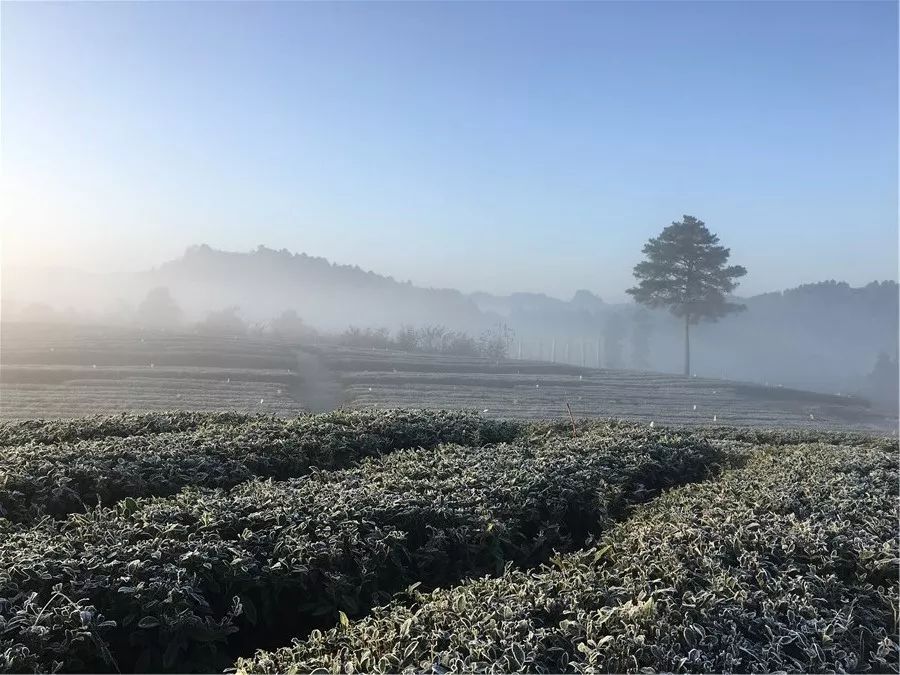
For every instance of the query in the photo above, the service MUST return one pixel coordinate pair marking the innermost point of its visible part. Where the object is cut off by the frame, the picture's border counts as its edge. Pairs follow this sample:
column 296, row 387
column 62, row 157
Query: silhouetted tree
column 495, row 342
column 406, row 338
column 158, row 309
column 288, row 324
column 460, row 344
column 640, row 339
column 431, row 338
column 687, row 272
column 613, row 334
column 369, row 337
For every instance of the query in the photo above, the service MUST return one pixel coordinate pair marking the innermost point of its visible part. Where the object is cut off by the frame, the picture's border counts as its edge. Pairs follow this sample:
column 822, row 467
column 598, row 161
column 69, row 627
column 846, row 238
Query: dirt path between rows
column 318, row 388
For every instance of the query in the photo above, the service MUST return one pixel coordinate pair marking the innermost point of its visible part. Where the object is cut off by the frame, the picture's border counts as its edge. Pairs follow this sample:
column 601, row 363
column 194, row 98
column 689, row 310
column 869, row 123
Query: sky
column 482, row 146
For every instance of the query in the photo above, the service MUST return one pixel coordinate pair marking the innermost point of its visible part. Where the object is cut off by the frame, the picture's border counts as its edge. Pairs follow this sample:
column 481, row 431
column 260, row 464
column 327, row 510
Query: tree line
column 432, row 339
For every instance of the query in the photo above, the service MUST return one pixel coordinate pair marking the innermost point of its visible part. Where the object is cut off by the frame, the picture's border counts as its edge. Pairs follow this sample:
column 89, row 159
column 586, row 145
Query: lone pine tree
column 686, row 271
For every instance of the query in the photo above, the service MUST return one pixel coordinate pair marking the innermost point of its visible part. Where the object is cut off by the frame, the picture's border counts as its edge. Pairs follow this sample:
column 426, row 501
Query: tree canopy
column 687, row 272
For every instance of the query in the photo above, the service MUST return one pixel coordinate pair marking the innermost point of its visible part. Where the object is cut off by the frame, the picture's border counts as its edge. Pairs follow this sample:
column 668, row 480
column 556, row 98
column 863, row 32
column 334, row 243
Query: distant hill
column 824, row 336
column 818, row 336
column 264, row 282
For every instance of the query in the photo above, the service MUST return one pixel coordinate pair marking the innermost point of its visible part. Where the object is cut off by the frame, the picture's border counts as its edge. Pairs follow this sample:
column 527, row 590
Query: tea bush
column 725, row 434
column 206, row 574
column 787, row 564
column 21, row 432
column 215, row 450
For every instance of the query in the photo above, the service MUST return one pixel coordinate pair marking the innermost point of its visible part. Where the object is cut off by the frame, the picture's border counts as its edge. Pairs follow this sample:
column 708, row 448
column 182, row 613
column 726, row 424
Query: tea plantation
column 430, row 541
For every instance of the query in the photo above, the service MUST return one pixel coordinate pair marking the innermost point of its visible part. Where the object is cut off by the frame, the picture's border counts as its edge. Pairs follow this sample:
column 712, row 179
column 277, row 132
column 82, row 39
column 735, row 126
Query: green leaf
column 519, row 655
column 405, row 626
column 129, row 505
column 601, row 552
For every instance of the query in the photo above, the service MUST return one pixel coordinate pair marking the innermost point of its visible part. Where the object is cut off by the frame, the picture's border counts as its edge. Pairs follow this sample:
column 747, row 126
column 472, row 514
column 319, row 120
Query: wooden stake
column 572, row 418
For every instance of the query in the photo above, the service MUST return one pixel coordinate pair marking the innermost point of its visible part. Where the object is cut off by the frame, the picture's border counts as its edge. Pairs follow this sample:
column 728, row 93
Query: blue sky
column 501, row 147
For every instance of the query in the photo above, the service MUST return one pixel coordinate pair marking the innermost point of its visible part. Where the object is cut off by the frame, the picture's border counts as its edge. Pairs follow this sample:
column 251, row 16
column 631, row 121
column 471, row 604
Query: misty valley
column 374, row 337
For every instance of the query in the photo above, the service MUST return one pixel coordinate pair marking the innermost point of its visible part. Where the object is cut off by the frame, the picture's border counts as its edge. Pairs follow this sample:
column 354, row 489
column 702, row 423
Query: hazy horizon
column 481, row 147
column 617, row 296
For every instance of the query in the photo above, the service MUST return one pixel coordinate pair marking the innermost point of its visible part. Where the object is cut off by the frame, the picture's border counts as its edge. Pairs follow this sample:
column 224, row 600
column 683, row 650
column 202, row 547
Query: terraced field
column 53, row 371
column 58, row 371
column 429, row 541
column 541, row 390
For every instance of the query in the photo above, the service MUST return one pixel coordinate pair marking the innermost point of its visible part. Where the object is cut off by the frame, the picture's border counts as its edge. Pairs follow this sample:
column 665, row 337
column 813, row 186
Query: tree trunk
column 687, row 345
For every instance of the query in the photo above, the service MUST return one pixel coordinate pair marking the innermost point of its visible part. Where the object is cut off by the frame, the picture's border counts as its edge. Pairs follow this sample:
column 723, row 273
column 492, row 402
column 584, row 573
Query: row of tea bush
column 788, row 564
column 188, row 582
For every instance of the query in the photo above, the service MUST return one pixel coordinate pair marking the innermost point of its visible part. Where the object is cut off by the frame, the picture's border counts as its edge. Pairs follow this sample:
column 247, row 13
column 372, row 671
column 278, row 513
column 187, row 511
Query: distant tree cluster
column 614, row 331
column 641, row 328
column 158, row 310
column 223, row 322
column 290, row 326
column 378, row 338
column 431, row 339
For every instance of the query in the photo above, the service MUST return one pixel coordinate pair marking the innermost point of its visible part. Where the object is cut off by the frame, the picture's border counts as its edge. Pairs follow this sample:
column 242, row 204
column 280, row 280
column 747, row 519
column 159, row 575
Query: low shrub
column 44, row 432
